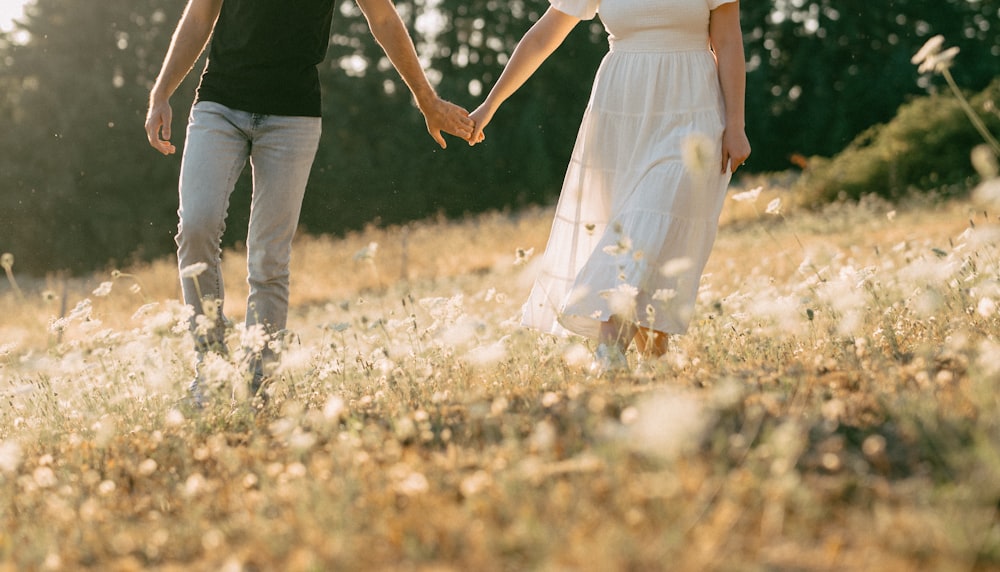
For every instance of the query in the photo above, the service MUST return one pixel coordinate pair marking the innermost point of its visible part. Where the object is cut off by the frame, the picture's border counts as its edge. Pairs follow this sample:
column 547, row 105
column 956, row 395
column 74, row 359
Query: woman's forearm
column 732, row 79
column 537, row 44
column 727, row 42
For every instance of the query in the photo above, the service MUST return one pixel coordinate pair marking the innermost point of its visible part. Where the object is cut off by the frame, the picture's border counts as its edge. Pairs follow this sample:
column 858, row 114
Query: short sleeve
column 713, row 4
column 582, row 9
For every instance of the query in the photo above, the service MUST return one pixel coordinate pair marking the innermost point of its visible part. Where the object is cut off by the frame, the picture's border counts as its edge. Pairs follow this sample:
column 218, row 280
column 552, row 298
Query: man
column 259, row 99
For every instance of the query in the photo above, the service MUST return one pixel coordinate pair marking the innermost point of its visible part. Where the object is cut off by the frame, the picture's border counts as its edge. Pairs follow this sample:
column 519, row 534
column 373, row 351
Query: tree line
column 80, row 189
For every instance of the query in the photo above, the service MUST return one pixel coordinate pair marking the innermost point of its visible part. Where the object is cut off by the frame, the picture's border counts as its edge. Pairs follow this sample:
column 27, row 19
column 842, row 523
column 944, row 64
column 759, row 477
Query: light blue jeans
column 281, row 150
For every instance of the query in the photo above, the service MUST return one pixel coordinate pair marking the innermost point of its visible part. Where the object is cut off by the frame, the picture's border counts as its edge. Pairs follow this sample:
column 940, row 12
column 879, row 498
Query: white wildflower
column 194, row 270
column 940, row 61
column 774, row 207
column 254, row 338
column 748, row 196
column 620, row 248
column 45, row 477
column 931, row 47
column 984, row 160
column 621, row 300
column 147, row 467
column 334, row 408
column 577, row 356
column 413, row 484
column 986, row 307
column 676, row 267
column 988, row 192
column 665, row 424
column 103, row 290
column 487, row 355
column 664, row 295
column 10, row 456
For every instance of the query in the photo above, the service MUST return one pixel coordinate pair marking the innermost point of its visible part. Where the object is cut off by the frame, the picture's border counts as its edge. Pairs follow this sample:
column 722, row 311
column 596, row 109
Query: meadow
column 834, row 406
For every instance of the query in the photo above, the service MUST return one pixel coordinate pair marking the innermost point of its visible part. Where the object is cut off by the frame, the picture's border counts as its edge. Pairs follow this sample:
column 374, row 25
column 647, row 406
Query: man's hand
column 158, row 120
column 445, row 116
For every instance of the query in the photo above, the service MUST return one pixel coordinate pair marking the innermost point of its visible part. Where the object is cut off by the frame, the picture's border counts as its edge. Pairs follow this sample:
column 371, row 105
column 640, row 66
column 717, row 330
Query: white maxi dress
column 640, row 203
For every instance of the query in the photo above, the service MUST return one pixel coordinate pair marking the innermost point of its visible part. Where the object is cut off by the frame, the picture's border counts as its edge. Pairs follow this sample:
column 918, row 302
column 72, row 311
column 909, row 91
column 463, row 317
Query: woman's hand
column 481, row 117
column 735, row 149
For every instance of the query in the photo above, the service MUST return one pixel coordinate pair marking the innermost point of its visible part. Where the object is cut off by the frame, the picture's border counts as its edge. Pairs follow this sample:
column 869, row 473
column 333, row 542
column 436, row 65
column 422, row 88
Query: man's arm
column 390, row 32
column 186, row 46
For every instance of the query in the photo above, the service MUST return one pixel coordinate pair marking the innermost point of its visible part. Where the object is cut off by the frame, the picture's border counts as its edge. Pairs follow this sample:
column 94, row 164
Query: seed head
column 194, row 270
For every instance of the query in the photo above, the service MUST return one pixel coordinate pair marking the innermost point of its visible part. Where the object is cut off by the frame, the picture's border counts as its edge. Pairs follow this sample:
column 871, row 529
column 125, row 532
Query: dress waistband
column 658, row 44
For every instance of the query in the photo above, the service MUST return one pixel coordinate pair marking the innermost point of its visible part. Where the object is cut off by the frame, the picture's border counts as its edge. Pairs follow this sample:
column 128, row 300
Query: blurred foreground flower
column 676, row 267
column 194, row 270
column 697, row 152
column 984, row 159
column 748, row 196
column 10, row 456
column 664, row 425
column 103, row 290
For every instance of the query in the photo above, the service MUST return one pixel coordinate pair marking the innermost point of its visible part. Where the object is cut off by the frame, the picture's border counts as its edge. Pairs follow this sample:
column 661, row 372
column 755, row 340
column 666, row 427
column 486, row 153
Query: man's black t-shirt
column 264, row 54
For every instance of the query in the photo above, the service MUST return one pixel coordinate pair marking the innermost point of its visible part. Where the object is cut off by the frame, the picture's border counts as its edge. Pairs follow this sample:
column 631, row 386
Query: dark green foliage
column 81, row 189
column 925, row 147
column 829, row 70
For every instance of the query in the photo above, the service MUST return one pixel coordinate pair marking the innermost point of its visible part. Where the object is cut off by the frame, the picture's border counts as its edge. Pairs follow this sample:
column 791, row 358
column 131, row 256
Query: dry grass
column 833, row 407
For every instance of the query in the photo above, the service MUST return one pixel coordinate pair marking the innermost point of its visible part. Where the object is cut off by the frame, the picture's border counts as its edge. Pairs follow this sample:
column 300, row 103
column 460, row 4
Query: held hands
column 481, row 117
column 445, row 116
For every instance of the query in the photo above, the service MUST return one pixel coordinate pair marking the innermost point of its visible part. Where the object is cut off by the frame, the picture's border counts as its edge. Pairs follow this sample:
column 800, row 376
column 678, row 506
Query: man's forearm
column 186, row 46
column 395, row 40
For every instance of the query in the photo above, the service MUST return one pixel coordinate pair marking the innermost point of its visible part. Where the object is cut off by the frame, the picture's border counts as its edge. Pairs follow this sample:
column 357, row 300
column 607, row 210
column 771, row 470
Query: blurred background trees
column 80, row 188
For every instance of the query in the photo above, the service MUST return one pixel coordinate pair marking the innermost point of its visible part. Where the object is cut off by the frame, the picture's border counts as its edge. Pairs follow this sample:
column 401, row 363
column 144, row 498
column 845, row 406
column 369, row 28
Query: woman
column 640, row 203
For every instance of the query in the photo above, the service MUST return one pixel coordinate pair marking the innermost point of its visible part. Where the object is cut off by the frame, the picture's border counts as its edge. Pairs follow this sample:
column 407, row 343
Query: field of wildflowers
column 834, row 406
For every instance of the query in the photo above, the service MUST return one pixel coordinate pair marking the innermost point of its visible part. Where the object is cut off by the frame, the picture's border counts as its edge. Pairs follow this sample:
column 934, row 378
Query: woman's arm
column 537, row 44
column 188, row 42
column 726, row 36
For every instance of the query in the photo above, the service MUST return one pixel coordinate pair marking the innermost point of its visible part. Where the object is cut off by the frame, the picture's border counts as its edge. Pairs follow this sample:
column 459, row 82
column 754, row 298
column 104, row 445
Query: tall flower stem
column 977, row 122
